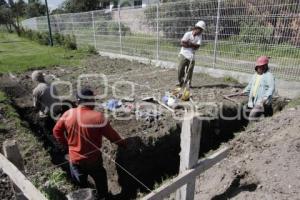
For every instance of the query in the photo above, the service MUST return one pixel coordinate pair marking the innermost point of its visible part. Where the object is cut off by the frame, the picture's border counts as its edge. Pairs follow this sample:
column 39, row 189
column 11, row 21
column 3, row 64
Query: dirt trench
column 149, row 159
column 153, row 152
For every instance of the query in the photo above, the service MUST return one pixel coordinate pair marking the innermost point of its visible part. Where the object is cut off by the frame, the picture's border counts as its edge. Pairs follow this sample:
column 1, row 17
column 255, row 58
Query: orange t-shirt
column 81, row 129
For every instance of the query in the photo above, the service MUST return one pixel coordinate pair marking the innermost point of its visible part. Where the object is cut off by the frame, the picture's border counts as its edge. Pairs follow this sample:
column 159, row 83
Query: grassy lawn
column 19, row 54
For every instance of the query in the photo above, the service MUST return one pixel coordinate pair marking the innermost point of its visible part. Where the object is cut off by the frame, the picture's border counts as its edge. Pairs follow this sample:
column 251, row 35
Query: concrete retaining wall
column 135, row 19
column 289, row 89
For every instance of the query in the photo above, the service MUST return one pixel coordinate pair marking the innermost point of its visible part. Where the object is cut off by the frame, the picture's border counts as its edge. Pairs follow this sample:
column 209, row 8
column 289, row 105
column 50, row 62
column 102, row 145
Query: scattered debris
column 113, row 104
column 154, row 100
column 127, row 99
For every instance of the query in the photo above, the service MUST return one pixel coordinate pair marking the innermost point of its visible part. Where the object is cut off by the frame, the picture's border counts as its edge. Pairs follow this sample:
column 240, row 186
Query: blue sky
column 53, row 3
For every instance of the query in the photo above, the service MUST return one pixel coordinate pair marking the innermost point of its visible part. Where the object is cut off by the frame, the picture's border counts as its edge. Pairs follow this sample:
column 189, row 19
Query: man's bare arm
column 188, row 44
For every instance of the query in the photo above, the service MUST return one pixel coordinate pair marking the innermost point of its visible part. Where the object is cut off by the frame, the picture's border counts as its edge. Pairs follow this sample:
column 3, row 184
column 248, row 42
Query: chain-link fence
column 237, row 32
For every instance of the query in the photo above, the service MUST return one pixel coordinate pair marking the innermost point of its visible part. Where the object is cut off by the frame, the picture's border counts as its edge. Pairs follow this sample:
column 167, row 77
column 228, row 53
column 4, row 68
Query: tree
column 10, row 14
column 35, row 9
column 5, row 17
column 81, row 6
column 3, row 3
column 57, row 11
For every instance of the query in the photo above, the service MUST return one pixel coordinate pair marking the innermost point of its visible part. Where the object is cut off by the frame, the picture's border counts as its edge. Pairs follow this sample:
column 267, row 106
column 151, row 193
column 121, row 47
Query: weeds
column 37, row 161
column 294, row 103
column 67, row 41
column 92, row 50
column 229, row 79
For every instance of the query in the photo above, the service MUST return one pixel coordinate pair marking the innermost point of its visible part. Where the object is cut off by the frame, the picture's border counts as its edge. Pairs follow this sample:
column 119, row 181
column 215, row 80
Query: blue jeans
column 80, row 172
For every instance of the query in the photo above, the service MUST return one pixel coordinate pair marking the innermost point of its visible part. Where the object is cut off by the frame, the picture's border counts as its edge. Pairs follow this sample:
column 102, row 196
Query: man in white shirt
column 190, row 42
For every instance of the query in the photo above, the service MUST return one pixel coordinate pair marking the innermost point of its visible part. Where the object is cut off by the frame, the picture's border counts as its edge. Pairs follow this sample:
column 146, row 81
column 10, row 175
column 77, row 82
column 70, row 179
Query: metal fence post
column 94, row 31
column 120, row 29
column 157, row 32
column 57, row 19
column 72, row 22
column 217, row 33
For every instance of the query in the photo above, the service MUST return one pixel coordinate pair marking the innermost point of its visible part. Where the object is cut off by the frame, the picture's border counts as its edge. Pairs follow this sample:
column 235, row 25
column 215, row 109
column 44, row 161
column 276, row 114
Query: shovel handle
column 165, row 106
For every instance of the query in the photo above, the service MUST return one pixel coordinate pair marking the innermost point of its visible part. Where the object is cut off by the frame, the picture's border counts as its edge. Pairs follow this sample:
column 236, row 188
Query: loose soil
column 6, row 191
column 264, row 163
column 153, row 144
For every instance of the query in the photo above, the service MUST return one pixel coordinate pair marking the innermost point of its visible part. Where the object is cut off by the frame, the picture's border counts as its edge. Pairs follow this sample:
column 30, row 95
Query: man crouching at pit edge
column 260, row 90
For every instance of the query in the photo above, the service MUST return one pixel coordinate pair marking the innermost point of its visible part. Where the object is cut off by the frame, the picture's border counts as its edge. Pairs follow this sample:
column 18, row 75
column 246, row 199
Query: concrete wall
column 135, row 19
column 289, row 89
column 149, row 2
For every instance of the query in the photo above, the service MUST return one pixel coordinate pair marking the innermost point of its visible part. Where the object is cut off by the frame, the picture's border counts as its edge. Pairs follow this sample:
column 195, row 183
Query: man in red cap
column 81, row 130
column 260, row 90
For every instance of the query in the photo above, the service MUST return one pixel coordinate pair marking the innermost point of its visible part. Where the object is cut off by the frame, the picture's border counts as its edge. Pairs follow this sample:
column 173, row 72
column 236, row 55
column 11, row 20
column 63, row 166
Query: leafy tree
column 57, row 11
column 6, row 17
column 10, row 14
column 248, row 21
column 81, row 6
column 3, row 3
column 35, row 9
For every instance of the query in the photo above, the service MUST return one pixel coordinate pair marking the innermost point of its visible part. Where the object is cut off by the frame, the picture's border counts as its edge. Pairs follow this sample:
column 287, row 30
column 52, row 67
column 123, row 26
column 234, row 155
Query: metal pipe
column 120, row 30
column 217, row 33
column 157, row 31
column 49, row 25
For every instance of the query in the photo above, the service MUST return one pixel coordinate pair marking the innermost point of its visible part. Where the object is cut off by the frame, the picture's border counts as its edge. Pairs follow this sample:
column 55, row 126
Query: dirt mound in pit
column 264, row 163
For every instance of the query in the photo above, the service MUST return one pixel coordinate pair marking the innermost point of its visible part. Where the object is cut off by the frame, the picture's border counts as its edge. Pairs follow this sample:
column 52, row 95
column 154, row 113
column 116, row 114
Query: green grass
column 145, row 45
column 229, row 79
column 3, row 97
column 20, row 54
column 34, row 154
column 249, row 51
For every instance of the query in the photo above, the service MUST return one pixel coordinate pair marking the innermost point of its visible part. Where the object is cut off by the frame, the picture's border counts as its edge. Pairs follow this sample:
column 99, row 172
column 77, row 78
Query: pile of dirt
column 264, row 163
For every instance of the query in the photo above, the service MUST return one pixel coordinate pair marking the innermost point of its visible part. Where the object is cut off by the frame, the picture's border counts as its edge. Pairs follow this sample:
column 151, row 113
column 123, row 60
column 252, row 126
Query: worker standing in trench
column 45, row 102
column 190, row 42
column 260, row 90
column 81, row 130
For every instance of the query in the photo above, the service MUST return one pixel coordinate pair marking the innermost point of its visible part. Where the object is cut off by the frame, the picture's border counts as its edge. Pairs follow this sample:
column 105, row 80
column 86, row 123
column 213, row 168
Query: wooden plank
column 12, row 153
column 20, row 180
column 186, row 176
column 190, row 146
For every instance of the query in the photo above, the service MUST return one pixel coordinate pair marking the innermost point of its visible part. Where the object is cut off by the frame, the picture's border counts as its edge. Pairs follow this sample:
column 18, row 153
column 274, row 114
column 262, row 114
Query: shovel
column 232, row 95
column 186, row 81
column 154, row 100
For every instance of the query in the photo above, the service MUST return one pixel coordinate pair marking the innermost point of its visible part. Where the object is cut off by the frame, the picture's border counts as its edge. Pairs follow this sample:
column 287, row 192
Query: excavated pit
column 153, row 148
column 149, row 159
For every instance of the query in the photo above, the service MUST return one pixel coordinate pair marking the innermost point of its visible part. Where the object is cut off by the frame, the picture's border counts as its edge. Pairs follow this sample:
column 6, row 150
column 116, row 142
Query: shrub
column 255, row 32
column 41, row 38
column 91, row 49
column 70, row 42
column 58, row 39
column 113, row 29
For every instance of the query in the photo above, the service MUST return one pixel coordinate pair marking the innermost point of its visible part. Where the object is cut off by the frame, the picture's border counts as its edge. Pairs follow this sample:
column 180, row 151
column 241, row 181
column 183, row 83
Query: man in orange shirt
column 81, row 130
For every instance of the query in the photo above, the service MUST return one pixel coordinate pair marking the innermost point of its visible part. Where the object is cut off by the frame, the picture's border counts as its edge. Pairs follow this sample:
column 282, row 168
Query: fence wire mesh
column 237, row 32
